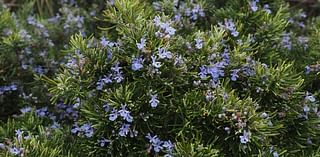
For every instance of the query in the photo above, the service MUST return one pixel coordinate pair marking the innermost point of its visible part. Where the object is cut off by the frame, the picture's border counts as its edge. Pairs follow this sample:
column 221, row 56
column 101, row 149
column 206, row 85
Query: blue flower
column 306, row 109
column 163, row 53
column 125, row 114
column 203, row 72
column 124, row 130
column 142, row 44
column 166, row 29
column 245, row 137
column 55, row 125
column 26, row 109
column 117, row 76
column 2, row 146
column 155, row 142
column 75, row 129
column 106, row 107
column 229, row 25
column 137, row 64
column 42, row 112
column 104, row 42
column 254, row 6
column 249, row 71
column 266, row 8
column 114, row 115
column 310, row 98
column 199, row 43
column 216, row 70
column 168, row 145
column 264, row 115
column 154, row 100
column 234, row 74
column 87, row 129
column 16, row 151
column 154, row 62
column 286, row 41
column 19, row 134
column 157, row 20
column 197, row 10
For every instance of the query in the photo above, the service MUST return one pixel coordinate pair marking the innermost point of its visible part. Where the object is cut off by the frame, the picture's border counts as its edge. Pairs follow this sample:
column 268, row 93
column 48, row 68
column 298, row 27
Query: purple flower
column 87, row 129
column 154, row 100
column 245, row 137
column 75, row 129
column 254, row 6
column 266, row 8
column 197, row 10
column 306, row 109
column 19, row 134
column 168, row 145
column 16, row 151
column 157, row 20
column 154, row 62
column 166, row 29
column 264, row 115
column 26, row 109
column 106, row 107
column 178, row 60
column 31, row 20
column 286, row 41
column 124, row 130
column 203, row 72
column 142, row 44
column 114, row 115
column 234, row 74
column 116, row 67
column 229, row 25
column 55, row 125
column 155, row 142
column 249, row 71
column 199, row 43
column 303, row 15
column 117, row 76
column 137, row 64
column 163, row 53
column 104, row 42
column 125, row 114
column 2, row 146
column 216, row 71
column 42, row 112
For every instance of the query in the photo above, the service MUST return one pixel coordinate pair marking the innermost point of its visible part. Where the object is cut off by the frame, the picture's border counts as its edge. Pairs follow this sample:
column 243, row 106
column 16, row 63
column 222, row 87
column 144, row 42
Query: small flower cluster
column 254, row 7
column 14, row 149
column 86, row 130
column 312, row 68
column 154, row 100
column 116, row 75
column 126, row 116
column 166, row 31
column 4, row 89
column 42, row 29
column 157, row 145
column 245, row 137
column 310, row 104
column 230, row 26
column 286, row 41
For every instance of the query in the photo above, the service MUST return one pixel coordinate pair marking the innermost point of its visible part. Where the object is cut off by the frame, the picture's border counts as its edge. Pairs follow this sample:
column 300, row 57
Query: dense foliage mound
column 158, row 78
